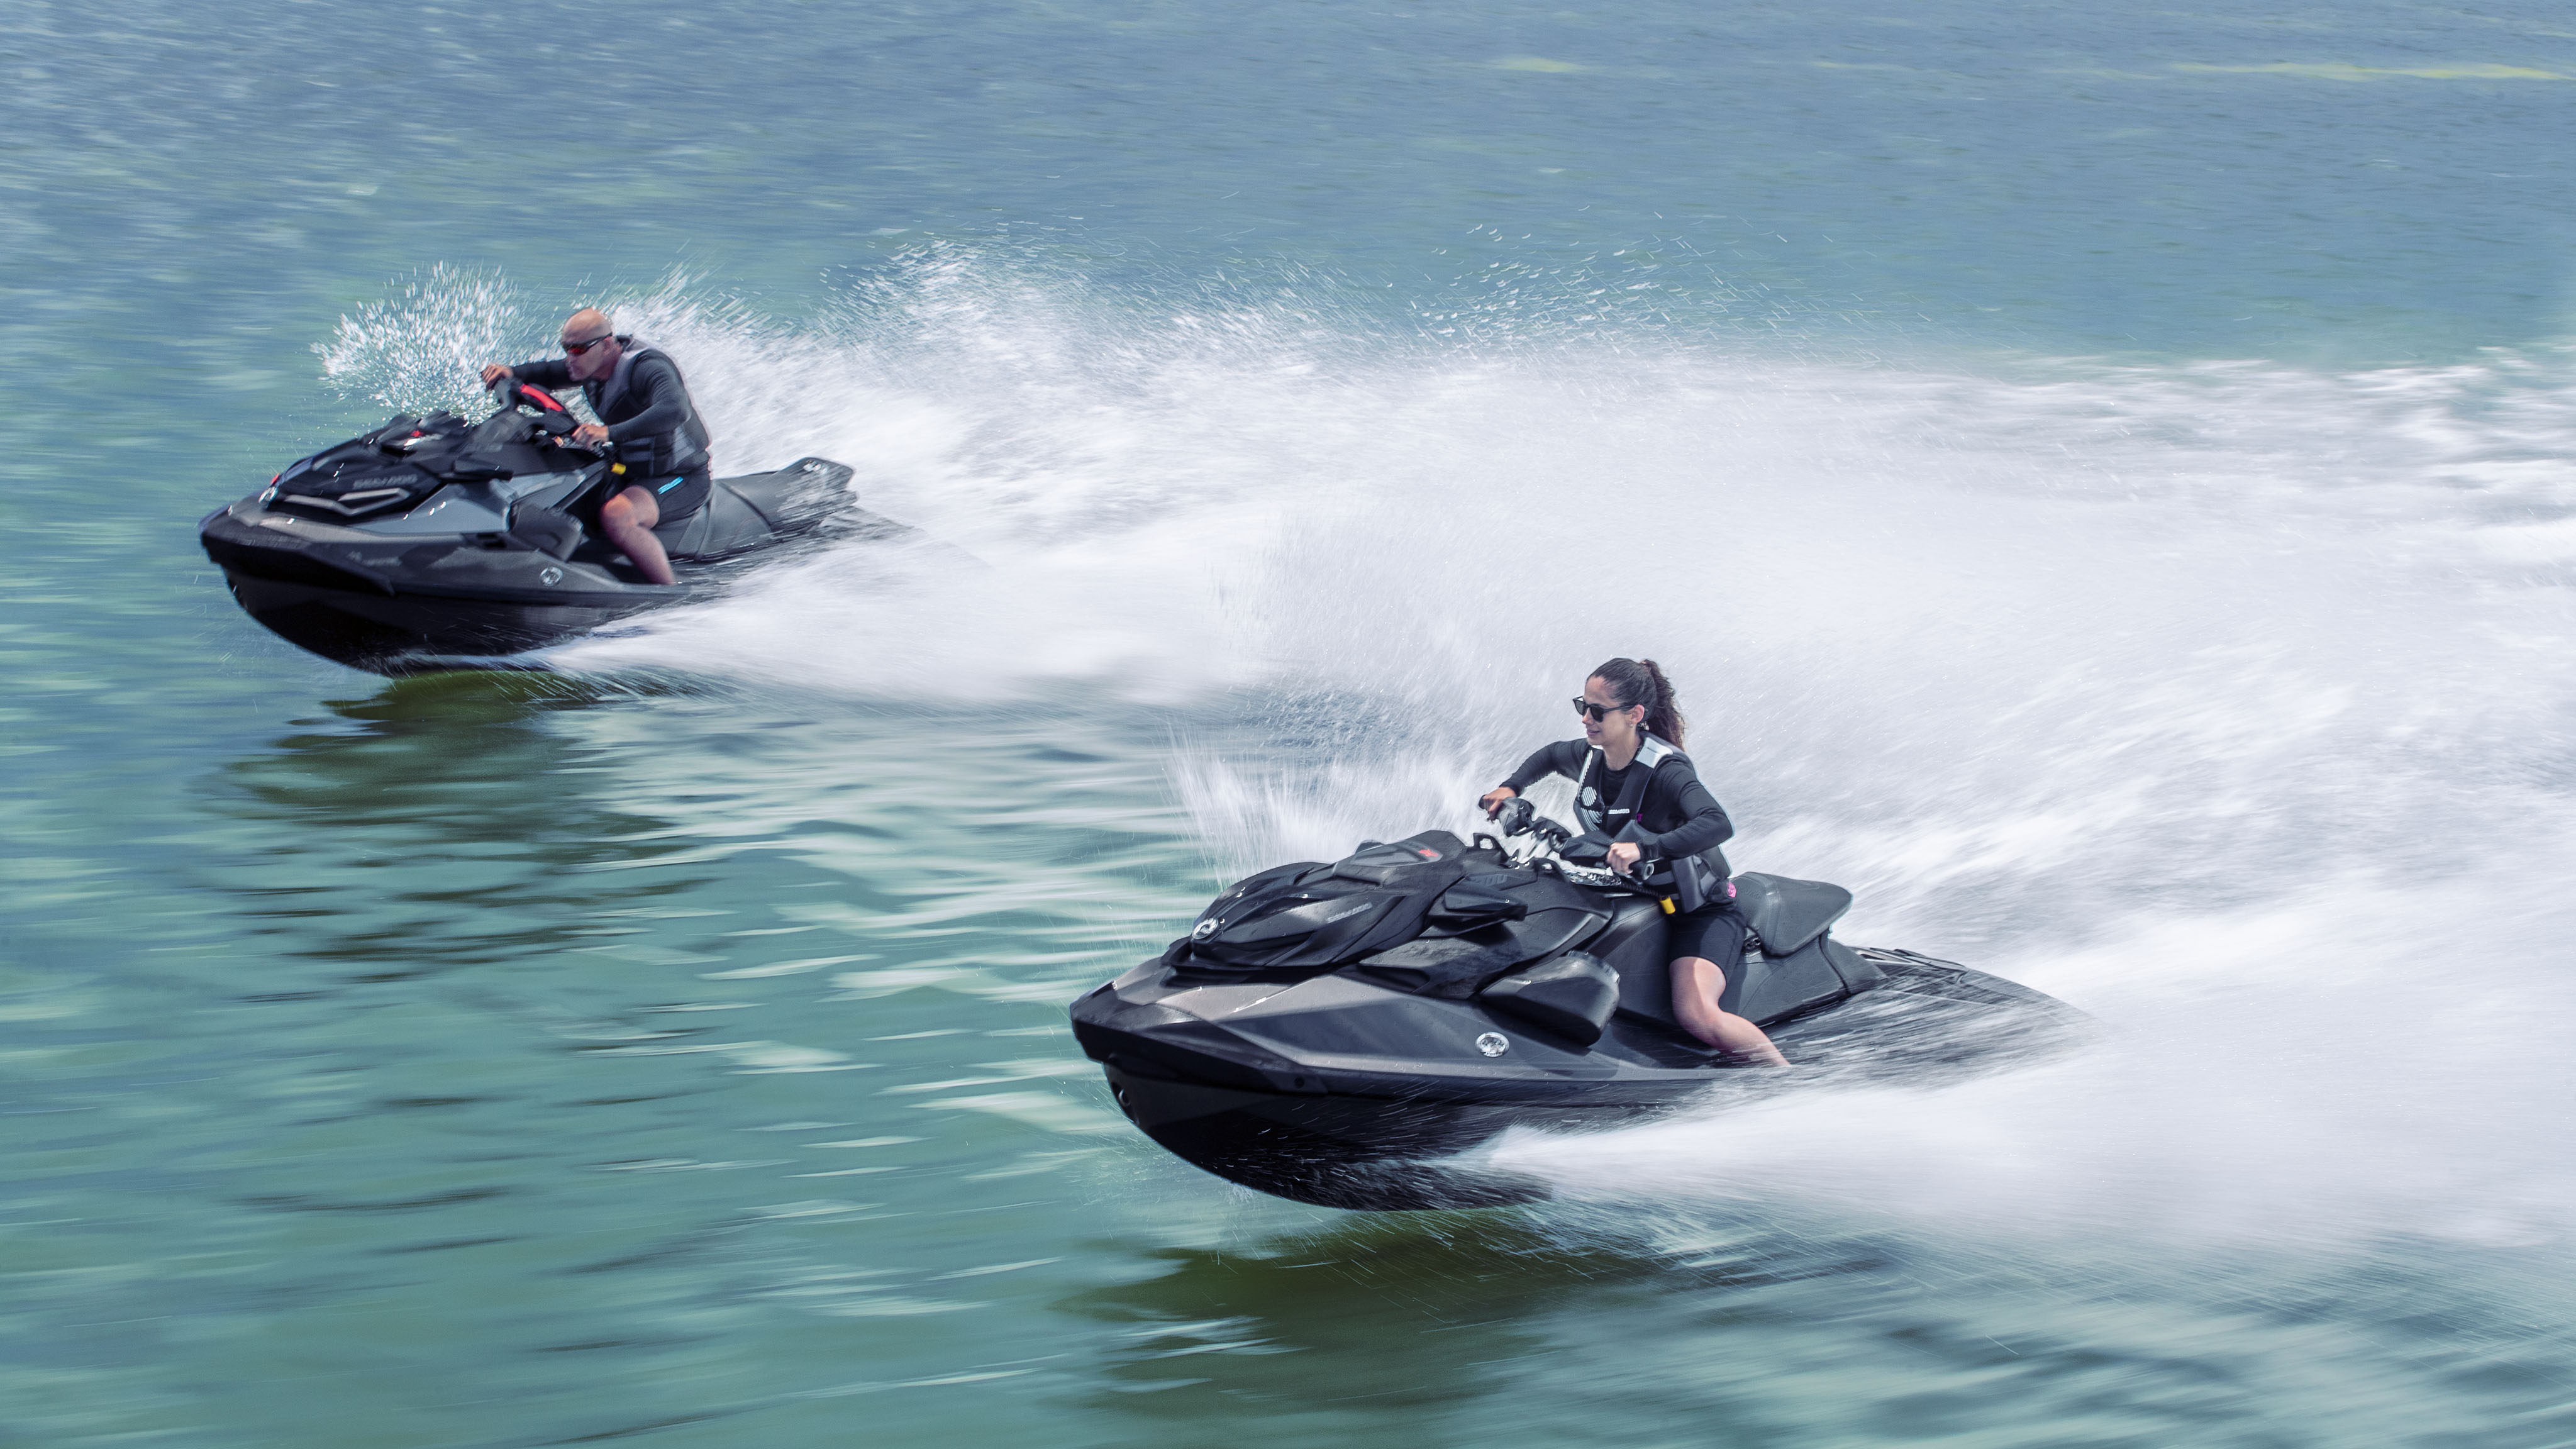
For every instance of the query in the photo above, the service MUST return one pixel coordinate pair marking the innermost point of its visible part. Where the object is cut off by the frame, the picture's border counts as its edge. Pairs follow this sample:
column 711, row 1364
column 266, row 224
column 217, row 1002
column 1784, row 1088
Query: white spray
column 2227, row 701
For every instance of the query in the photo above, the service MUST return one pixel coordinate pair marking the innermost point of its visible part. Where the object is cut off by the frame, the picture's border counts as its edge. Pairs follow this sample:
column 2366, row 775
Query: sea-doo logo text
column 1346, row 915
column 1493, row 1043
column 1206, row 928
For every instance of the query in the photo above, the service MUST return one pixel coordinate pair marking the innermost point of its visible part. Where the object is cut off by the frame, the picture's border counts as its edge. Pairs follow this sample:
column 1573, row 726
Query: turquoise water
column 2099, row 481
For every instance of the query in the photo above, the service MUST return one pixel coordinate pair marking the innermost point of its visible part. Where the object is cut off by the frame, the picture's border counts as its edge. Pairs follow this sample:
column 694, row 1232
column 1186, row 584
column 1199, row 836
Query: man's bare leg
column 628, row 521
column 1697, row 981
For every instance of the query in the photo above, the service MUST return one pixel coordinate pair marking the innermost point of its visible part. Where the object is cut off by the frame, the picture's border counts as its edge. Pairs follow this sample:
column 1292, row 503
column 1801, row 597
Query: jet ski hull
column 405, row 633
column 402, row 594
column 1368, row 1153
column 1389, row 1135
column 1343, row 1152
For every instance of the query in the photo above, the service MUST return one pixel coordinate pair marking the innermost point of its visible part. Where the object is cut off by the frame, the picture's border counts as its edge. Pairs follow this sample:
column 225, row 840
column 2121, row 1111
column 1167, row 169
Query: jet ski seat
column 746, row 512
column 1799, row 967
column 1786, row 914
column 728, row 524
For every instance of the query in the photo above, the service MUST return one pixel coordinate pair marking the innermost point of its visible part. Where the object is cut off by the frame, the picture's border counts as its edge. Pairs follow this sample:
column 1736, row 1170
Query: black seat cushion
column 727, row 525
column 1786, row 914
column 744, row 513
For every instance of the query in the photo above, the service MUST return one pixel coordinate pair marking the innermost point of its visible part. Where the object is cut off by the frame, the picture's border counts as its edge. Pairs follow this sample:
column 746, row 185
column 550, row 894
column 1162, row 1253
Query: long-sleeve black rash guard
column 1678, row 816
column 654, row 402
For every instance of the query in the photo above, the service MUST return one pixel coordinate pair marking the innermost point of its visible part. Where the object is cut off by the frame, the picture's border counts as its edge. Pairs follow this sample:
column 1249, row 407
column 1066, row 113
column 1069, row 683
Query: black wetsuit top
column 1678, row 817
column 653, row 406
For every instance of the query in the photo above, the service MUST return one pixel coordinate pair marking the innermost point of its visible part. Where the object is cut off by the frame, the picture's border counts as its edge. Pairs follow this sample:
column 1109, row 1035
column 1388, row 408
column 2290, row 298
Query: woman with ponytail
column 1632, row 781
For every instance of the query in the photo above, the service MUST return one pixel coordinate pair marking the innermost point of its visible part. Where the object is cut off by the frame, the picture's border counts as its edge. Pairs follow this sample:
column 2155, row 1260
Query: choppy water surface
column 2100, row 482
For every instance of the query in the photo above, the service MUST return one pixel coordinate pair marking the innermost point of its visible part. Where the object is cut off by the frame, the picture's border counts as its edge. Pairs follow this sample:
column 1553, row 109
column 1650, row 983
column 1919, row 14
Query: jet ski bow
column 431, row 539
column 1330, row 1032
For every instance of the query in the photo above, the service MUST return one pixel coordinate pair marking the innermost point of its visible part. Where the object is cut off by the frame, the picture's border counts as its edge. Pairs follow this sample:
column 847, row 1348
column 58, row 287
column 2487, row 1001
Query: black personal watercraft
column 431, row 542
column 1327, row 1032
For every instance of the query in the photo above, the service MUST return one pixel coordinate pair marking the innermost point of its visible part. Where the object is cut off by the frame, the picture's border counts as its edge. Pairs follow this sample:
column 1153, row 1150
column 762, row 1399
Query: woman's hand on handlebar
column 1494, row 798
column 1623, row 856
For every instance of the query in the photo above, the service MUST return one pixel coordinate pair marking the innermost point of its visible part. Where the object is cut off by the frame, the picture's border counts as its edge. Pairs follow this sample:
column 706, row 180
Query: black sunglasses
column 1598, row 711
column 576, row 349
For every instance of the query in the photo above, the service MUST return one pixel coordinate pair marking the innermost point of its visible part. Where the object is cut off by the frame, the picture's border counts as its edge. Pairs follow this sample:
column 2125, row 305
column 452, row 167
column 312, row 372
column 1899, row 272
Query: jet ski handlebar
column 1579, row 857
column 552, row 418
column 1520, row 817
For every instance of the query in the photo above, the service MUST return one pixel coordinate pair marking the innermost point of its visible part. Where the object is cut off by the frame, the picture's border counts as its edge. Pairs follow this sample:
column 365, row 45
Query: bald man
column 638, row 393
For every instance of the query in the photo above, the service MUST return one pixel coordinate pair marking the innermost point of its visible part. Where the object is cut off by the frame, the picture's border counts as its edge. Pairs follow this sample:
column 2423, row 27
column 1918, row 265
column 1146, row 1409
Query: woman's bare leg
column 1696, row 984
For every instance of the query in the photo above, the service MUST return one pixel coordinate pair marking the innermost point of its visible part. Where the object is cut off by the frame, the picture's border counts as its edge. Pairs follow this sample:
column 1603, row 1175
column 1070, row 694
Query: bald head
column 589, row 363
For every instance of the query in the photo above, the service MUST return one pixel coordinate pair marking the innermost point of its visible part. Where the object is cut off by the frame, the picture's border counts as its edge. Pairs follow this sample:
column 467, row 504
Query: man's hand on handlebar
column 1623, row 856
column 493, row 372
column 588, row 435
column 1492, row 804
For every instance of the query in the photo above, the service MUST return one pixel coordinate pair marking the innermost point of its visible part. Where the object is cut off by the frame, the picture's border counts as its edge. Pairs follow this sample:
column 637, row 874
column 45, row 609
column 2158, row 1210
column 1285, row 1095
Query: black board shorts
column 1712, row 933
column 677, row 497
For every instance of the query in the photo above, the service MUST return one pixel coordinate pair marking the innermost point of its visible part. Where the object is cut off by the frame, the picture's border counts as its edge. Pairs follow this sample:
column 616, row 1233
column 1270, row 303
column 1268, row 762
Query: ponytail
column 1642, row 681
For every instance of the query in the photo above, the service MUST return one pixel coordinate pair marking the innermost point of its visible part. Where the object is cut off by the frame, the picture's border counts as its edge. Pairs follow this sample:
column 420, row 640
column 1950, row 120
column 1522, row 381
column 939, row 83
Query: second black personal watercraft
column 432, row 542
column 1332, row 1032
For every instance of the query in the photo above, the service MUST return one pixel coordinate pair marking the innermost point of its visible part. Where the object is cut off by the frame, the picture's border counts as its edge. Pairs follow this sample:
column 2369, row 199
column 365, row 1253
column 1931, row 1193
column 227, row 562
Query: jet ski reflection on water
column 431, row 541
column 1326, row 1031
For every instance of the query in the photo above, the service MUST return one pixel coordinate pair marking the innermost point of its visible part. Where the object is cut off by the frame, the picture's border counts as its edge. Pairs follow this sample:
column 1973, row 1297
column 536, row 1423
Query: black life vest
column 682, row 449
column 1609, row 817
column 1697, row 880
